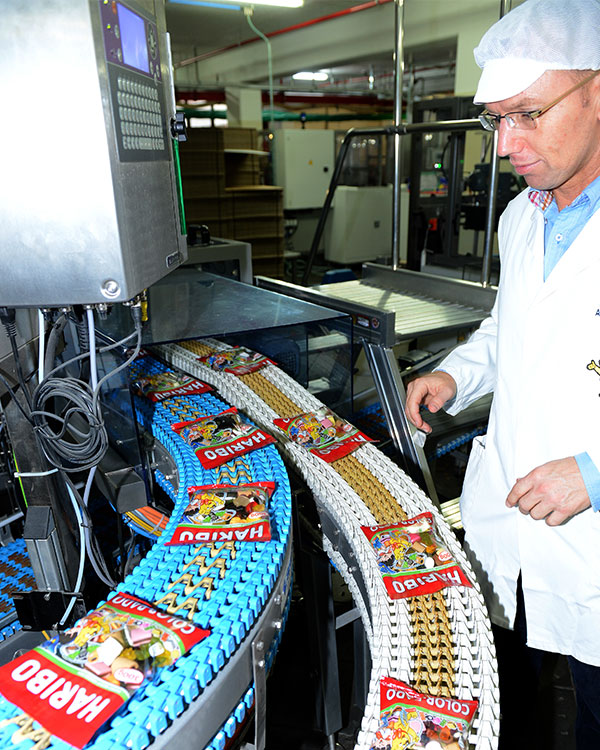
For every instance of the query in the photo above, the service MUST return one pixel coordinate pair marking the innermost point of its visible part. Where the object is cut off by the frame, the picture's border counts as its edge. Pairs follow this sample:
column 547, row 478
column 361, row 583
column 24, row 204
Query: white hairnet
column 537, row 36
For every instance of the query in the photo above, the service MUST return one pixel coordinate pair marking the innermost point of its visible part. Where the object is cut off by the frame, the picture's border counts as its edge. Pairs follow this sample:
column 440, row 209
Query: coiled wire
column 56, row 429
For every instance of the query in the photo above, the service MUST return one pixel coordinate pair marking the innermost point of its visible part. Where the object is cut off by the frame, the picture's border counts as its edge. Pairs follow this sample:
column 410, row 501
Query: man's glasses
column 527, row 120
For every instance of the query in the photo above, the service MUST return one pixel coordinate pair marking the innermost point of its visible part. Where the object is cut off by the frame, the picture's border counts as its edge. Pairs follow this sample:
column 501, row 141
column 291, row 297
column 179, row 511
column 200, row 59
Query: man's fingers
column 415, row 393
column 515, row 494
column 553, row 492
column 434, row 403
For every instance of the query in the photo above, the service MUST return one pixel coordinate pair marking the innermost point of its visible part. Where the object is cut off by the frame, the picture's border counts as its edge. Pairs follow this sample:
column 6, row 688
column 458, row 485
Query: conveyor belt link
column 221, row 587
column 15, row 575
column 440, row 643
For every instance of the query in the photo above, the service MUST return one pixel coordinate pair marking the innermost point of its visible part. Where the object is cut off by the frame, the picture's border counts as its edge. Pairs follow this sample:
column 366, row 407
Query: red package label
column 238, row 360
column 224, row 513
column 411, row 559
column 222, row 437
column 323, row 433
column 72, row 684
column 164, row 385
column 409, row 719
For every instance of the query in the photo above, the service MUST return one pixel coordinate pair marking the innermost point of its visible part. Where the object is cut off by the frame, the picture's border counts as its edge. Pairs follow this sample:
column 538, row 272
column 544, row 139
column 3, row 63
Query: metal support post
column 259, row 672
column 392, row 395
column 490, row 222
column 398, row 78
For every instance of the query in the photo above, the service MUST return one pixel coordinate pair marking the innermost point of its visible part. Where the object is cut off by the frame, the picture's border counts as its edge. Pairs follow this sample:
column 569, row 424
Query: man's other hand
column 553, row 492
column 432, row 391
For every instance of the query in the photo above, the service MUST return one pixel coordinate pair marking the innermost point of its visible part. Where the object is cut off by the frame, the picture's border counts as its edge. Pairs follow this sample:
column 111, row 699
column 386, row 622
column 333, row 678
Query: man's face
column 563, row 152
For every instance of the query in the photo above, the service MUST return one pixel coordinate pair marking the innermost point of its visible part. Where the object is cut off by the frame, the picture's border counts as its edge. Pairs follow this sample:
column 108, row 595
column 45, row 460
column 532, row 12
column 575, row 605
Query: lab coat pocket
column 472, row 481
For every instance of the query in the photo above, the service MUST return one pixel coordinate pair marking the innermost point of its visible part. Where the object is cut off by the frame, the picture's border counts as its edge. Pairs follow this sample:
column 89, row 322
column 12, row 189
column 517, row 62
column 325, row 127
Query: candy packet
column 409, row 719
column 238, row 360
column 224, row 512
column 411, row 558
column 219, row 438
column 323, row 433
column 73, row 683
column 164, row 385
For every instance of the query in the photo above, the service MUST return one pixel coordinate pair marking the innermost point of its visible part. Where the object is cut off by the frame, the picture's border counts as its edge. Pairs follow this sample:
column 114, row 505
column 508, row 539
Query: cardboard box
column 203, row 138
column 201, row 162
column 258, row 200
column 258, row 227
column 207, row 186
column 266, row 247
column 240, row 138
column 272, row 267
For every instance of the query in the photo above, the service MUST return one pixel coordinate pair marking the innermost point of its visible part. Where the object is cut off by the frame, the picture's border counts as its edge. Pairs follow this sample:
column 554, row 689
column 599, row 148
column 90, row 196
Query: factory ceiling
column 214, row 46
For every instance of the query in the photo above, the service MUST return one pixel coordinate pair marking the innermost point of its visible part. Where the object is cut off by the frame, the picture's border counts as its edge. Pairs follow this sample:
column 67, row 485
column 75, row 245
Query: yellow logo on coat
column 593, row 366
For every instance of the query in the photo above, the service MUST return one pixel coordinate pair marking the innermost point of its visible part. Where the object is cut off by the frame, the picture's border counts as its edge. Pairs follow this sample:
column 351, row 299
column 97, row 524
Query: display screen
column 133, row 39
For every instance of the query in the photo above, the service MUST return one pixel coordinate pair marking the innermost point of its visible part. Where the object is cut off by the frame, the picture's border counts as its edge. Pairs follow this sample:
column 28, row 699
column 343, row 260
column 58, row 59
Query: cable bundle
column 57, row 444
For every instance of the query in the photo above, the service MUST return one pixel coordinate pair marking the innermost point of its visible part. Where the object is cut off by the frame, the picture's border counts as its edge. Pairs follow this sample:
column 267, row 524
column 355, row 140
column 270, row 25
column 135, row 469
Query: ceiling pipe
column 286, row 30
column 248, row 13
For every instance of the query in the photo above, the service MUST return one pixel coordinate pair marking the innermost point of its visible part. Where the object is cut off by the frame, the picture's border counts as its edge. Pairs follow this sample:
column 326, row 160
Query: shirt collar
column 540, row 198
column 543, row 198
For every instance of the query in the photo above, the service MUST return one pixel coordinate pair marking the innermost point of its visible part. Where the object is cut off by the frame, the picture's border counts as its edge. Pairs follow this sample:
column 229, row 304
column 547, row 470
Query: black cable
column 81, row 402
column 57, row 328
column 8, row 318
column 57, row 444
column 13, row 395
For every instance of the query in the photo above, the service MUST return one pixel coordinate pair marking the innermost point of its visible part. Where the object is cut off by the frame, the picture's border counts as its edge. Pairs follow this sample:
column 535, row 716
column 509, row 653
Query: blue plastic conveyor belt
column 237, row 591
column 15, row 575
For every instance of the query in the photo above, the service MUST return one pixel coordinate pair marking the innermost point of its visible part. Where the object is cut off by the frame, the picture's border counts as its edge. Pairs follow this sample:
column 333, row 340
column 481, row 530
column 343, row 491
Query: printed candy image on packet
column 237, row 360
column 411, row 558
column 164, row 385
column 323, row 433
column 219, row 438
column 409, row 719
column 223, row 513
column 73, row 683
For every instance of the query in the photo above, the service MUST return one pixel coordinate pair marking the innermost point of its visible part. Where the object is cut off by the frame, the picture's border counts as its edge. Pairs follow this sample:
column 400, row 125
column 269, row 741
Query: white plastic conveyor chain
column 388, row 624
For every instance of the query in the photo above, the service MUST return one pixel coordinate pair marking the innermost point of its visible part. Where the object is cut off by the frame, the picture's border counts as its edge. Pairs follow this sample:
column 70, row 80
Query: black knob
column 178, row 128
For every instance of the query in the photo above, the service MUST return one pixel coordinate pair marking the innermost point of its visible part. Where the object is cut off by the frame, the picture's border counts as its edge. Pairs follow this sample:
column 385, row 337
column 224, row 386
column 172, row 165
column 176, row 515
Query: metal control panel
column 135, row 82
column 90, row 207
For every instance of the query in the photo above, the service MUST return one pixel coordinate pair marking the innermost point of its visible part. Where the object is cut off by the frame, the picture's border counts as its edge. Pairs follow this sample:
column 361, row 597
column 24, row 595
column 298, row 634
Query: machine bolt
column 110, row 288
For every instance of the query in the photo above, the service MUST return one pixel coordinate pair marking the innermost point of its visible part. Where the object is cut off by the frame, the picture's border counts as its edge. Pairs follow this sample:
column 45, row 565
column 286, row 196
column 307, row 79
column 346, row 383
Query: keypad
column 140, row 116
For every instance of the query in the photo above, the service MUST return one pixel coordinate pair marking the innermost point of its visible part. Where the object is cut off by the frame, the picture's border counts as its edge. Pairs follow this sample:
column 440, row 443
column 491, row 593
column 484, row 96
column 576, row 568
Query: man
column 532, row 487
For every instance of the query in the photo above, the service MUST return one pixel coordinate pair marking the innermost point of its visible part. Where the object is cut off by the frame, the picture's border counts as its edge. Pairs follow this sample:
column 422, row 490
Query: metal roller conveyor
column 389, row 305
column 440, row 643
column 416, row 315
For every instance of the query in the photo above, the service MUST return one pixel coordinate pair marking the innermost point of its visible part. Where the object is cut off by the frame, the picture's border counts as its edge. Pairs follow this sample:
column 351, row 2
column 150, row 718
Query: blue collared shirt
column 560, row 230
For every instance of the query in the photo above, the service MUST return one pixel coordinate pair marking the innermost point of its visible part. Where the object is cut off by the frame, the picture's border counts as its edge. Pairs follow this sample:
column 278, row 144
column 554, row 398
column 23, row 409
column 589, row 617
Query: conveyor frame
column 378, row 328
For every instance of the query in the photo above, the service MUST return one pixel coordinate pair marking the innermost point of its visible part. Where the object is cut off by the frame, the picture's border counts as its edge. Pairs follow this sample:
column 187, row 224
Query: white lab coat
column 535, row 353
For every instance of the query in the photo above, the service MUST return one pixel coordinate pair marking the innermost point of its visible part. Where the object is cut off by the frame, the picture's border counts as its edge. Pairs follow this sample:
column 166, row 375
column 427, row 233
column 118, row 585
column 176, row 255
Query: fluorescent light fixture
column 307, row 76
column 236, row 4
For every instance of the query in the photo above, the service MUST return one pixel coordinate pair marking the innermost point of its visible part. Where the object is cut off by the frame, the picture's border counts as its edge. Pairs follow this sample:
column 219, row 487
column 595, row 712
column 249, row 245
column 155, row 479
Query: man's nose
column 510, row 140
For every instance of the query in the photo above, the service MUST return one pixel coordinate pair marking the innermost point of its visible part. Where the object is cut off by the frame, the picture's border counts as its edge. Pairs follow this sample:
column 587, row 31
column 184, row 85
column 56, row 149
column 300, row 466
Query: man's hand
column 432, row 391
column 553, row 492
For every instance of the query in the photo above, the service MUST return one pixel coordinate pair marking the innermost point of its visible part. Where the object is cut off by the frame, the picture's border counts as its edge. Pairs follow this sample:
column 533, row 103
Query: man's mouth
column 523, row 167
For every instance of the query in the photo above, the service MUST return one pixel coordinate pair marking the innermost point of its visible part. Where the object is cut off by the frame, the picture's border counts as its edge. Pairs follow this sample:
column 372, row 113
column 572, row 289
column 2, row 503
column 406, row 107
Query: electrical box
column 89, row 202
column 303, row 162
column 359, row 227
